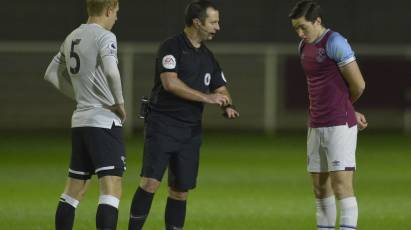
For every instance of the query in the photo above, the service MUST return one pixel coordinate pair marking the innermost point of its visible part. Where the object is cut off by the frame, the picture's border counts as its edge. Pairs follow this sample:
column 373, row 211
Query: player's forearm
column 114, row 81
column 116, row 89
column 58, row 77
column 355, row 93
column 356, row 89
column 352, row 75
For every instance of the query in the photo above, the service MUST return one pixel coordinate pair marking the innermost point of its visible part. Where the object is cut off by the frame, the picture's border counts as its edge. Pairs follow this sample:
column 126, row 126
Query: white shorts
column 331, row 148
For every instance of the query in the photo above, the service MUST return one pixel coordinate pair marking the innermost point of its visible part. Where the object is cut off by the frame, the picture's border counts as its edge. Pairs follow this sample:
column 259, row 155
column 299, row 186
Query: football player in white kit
column 85, row 69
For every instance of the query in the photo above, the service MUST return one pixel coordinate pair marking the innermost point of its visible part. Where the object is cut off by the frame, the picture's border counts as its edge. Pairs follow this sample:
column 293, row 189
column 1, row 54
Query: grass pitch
column 247, row 181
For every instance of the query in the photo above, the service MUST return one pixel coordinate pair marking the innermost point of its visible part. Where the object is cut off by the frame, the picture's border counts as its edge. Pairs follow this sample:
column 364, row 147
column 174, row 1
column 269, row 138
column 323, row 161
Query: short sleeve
column 168, row 56
column 217, row 78
column 339, row 50
column 107, row 45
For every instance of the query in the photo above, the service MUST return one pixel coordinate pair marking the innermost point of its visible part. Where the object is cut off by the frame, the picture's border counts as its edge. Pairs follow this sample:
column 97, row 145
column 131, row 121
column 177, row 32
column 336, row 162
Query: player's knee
column 177, row 195
column 342, row 190
column 81, row 193
column 76, row 190
column 322, row 191
column 149, row 185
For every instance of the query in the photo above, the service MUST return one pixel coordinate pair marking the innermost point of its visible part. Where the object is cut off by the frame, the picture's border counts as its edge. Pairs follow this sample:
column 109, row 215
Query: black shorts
column 172, row 145
column 97, row 151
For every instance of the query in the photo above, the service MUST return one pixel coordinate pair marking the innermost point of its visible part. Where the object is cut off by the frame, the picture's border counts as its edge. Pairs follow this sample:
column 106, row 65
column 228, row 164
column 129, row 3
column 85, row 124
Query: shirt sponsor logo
column 169, row 62
column 320, row 55
column 207, row 79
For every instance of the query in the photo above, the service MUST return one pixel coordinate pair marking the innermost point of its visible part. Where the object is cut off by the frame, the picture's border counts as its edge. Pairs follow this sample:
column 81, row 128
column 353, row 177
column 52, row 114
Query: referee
column 187, row 76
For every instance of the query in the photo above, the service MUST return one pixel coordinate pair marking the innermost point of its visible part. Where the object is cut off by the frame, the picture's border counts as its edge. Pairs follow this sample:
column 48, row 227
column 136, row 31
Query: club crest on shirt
column 112, row 48
column 169, row 62
column 320, row 55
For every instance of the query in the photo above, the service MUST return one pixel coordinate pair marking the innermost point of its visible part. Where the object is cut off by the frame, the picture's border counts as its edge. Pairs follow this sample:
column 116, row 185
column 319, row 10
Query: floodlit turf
column 247, row 181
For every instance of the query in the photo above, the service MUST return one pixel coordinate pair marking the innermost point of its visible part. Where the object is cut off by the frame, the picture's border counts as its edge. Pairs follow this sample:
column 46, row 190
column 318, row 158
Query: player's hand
column 230, row 112
column 361, row 121
column 119, row 110
column 218, row 99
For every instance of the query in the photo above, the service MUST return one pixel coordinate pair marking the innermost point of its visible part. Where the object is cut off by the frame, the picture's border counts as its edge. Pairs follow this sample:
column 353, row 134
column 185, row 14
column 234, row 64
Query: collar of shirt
column 322, row 36
column 189, row 44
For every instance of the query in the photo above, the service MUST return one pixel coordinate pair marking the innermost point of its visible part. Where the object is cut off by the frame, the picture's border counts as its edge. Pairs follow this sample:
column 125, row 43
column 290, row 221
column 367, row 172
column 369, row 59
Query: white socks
column 349, row 213
column 326, row 213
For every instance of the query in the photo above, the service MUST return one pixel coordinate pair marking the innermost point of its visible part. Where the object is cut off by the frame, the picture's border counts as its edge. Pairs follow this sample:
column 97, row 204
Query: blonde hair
column 96, row 7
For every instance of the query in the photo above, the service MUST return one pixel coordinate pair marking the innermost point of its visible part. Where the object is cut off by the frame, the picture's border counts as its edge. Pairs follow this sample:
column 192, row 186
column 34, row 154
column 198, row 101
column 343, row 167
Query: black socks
column 64, row 218
column 140, row 207
column 175, row 214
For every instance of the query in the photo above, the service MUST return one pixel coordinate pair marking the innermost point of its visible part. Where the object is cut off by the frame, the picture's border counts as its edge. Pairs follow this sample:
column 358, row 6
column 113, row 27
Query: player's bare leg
column 326, row 212
column 111, row 185
column 341, row 182
column 76, row 188
column 141, row 204
column 110, row 194
column 73, row 193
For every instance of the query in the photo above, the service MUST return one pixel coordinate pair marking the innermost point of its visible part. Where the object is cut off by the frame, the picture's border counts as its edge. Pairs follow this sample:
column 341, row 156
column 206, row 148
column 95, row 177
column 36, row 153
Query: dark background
column 27, row 24
column 364, row 21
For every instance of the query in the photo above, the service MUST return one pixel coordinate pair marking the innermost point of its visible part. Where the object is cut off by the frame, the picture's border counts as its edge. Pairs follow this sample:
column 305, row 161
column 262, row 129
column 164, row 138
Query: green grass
column 247, row 181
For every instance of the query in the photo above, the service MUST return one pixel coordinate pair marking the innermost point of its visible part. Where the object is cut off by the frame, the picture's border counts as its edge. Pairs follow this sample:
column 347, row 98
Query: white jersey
column 82, row 53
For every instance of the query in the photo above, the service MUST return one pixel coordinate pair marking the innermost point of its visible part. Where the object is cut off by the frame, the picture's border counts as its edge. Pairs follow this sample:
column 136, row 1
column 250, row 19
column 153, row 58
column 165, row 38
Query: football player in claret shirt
column 334, row 84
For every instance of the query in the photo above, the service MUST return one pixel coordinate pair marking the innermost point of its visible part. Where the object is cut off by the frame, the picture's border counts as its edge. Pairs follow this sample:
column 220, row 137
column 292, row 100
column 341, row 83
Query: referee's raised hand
column 218, row 99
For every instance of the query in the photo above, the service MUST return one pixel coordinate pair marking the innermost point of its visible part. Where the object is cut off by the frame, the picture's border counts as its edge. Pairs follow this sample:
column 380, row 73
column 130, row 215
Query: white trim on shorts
column 104, row 168
column 78, row 172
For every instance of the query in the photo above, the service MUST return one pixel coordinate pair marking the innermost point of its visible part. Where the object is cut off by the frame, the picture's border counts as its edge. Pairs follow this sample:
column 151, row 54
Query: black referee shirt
column 196, row 67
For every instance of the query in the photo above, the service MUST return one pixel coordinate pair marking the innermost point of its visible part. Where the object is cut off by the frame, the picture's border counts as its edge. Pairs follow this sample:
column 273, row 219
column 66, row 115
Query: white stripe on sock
column 109, row 200
column 69, row 200
column 326, row 213
column 349, row 213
